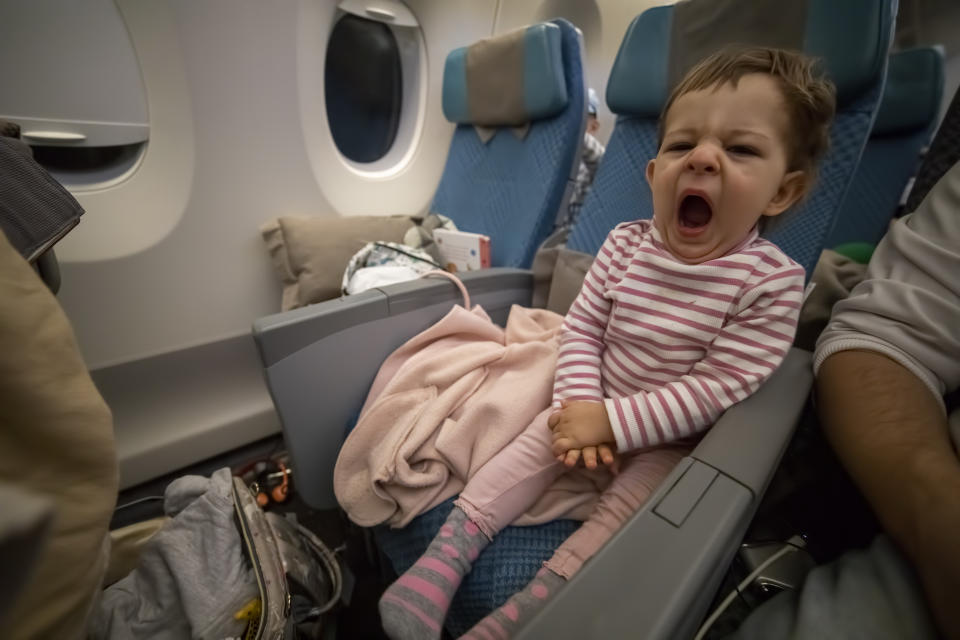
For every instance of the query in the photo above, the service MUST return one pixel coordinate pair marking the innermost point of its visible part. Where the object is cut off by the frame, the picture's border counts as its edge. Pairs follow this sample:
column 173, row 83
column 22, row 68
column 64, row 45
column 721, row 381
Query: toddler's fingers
column 561, row 446
column 572, row 456
column 606, row 454
column 590, row 457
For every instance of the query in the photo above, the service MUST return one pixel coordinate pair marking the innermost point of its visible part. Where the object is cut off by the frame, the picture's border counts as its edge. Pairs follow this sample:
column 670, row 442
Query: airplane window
column 364, row 88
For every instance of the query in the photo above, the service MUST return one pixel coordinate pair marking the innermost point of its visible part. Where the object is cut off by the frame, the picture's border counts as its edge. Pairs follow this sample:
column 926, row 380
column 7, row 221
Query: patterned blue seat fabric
column 509, row 188
column 502, row 569
column 853, row 42
column 904, row 125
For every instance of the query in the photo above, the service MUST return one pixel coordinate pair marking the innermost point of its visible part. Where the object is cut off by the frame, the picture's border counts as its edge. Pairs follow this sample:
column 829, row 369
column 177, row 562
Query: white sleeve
column 908, row 307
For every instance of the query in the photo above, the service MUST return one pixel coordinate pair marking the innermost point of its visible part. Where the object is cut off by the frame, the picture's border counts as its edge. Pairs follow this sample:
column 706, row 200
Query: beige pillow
column 310, row 254
column 56, row 441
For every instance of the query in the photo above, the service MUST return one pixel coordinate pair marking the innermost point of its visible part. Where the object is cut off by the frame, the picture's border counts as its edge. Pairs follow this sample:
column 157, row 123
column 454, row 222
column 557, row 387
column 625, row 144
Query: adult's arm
column 890, row 433
column 891, row 351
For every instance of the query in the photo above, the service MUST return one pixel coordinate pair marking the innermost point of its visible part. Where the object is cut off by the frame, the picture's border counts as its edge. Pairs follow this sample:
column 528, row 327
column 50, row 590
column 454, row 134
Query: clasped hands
column 582, row 431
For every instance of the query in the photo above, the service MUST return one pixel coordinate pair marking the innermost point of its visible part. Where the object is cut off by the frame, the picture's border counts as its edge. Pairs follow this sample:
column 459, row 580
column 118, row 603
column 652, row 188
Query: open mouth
column 694, row 212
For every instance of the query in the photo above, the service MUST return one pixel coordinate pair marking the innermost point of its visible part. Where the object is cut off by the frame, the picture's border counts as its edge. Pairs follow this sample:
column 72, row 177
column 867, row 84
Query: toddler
column 679, row 318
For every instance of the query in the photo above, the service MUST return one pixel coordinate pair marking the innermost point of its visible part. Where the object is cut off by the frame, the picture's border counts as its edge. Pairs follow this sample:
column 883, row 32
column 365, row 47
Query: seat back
column 512, row 186
column 904, row 126
column 851, row 39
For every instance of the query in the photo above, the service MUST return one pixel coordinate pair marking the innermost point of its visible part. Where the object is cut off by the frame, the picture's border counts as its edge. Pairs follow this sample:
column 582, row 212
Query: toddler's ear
column 650, row 166
column 792, row 188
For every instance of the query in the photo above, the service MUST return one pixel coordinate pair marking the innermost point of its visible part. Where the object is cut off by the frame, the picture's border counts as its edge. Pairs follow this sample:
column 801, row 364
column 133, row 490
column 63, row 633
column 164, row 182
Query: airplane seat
column 904, row 126
column 511, row 182
column 852, row 48
column 683, row 539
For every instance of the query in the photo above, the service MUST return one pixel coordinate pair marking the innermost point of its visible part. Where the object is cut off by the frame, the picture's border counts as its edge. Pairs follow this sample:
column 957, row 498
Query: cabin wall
column 167, row 270
column 247, row 148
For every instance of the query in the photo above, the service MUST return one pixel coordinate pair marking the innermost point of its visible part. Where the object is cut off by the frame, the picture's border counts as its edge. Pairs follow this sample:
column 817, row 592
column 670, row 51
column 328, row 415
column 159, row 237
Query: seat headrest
column 912, row 94
column 506, row 80
column 662, row 43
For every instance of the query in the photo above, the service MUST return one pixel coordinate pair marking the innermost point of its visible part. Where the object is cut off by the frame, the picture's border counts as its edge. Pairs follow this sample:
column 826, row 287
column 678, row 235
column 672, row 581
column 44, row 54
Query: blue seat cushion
column 504, row 567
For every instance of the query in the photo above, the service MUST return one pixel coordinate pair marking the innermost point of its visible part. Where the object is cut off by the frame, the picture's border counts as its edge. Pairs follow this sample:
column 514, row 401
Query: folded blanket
column 442, row 405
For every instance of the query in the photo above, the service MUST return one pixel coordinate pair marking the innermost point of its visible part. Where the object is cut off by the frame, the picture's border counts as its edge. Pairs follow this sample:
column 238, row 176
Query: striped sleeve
column 749, row 347
column 581, row 340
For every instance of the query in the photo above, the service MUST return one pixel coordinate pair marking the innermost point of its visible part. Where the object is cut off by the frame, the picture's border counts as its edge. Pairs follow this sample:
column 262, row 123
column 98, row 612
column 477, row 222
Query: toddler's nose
column 703, row 159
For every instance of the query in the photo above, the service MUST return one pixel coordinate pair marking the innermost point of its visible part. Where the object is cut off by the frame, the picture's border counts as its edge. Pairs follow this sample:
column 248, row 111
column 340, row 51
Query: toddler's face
column 722, row 165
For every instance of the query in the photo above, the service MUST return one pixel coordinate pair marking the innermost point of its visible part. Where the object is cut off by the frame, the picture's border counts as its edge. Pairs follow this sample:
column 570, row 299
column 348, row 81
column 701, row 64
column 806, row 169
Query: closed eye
column 679, row 146
column 743, row 150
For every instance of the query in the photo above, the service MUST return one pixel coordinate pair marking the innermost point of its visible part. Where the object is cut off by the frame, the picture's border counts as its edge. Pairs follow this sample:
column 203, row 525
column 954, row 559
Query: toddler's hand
column 589, row 456
column 578, row 425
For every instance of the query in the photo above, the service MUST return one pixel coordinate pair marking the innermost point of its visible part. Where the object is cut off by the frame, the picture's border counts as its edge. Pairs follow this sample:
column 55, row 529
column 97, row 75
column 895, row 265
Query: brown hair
column 809, row 97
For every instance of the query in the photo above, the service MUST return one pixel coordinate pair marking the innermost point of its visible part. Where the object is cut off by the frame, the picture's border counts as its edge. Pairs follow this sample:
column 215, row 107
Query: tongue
column 694, row 212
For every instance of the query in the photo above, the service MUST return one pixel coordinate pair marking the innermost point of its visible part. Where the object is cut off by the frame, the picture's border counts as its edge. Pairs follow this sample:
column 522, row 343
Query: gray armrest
column 321, row 360
column 658, row 575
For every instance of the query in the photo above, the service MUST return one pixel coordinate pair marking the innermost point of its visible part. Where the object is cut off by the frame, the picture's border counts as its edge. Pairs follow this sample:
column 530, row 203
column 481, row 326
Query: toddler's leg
column 504, row 621
column 639, row 477
column 511, row 482
column 414, row 606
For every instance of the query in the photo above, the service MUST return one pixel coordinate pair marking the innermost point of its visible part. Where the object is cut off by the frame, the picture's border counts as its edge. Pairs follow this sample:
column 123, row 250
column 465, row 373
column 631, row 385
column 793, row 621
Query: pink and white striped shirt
column 669, row 346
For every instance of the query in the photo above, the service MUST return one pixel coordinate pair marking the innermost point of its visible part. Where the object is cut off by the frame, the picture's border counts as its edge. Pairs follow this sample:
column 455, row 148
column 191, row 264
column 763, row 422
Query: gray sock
column 414, row 607
column 505, row 621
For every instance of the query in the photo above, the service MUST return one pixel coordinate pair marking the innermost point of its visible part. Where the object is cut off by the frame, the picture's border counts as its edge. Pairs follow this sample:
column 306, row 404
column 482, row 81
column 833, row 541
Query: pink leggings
column 510, row 483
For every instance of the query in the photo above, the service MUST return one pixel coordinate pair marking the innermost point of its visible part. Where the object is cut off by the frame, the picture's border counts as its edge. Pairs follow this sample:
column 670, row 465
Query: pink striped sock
column 413, row 607
column 505, row 621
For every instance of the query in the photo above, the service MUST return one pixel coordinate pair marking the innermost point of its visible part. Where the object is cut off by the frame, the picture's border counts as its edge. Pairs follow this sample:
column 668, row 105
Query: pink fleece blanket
column 442, row 405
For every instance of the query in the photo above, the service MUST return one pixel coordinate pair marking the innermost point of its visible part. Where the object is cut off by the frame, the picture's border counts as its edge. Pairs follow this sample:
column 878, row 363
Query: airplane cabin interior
column 282, row 283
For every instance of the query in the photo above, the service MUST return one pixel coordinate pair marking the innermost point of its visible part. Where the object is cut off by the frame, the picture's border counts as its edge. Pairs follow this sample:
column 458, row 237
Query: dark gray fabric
column 944, row 152
column 701, row 27
column 35, row 210
column 9, row 129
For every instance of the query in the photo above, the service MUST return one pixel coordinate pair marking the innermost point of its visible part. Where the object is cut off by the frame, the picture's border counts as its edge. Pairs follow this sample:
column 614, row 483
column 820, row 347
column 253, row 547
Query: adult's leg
column 867, row 593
